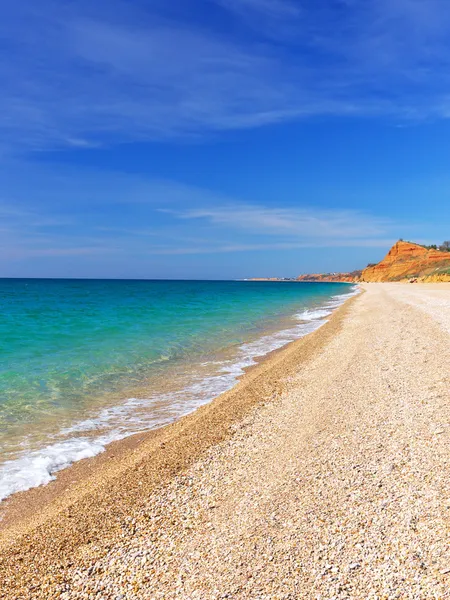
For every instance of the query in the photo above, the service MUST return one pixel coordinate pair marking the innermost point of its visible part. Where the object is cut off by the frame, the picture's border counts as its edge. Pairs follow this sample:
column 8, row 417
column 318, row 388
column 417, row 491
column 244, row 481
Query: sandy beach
column 323, row 474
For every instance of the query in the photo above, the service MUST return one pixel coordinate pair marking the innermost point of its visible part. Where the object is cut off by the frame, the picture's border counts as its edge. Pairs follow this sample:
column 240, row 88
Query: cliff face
column 405, row 261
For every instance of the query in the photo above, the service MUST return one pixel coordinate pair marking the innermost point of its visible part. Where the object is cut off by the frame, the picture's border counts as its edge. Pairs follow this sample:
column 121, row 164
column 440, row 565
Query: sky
column 216, row 139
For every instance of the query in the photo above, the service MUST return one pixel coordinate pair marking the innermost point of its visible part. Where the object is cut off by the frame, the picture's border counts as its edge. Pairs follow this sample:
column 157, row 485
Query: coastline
column 158, row 395
column 171, row 448
column 321, row 472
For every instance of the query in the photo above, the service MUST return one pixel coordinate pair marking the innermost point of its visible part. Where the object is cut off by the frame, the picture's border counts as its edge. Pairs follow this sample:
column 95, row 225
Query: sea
column 87, row 362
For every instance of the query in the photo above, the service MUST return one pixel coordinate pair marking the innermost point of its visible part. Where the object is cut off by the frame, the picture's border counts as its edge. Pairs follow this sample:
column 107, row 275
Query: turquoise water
column 85, row 362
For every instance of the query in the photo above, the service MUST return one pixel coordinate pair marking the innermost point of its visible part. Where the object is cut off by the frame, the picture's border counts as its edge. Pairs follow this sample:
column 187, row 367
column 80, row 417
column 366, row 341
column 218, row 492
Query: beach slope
column 325, row 473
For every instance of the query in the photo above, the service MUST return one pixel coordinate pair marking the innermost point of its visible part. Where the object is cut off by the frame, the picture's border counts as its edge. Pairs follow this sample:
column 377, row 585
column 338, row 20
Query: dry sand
column 323, row 474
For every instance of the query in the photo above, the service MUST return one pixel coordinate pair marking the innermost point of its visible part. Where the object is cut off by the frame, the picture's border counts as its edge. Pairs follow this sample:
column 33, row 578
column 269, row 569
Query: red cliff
column 409, row 261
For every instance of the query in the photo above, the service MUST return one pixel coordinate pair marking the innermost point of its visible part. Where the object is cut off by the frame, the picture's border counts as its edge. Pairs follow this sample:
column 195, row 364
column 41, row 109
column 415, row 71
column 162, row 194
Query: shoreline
column 158, row 401
column 10, row 507
column 320, row 474
column 158, row 455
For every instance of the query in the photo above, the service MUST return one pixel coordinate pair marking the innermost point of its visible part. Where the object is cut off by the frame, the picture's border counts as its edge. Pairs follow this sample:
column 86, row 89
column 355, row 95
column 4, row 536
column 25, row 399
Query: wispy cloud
column 234, row 248
column 133, row 216
column 134, row 81
column 82, row 74
column 306, row 223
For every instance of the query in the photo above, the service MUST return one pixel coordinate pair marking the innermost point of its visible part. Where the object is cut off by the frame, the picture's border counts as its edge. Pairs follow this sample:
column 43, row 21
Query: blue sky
column 220, row 138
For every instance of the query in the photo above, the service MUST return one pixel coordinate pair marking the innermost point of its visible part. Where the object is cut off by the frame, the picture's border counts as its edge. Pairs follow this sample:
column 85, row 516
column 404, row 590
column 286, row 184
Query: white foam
column 314, row 315
column 38, row 467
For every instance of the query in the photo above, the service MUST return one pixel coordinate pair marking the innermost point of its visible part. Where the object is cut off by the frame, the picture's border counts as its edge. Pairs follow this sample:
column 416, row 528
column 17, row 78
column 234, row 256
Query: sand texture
column 324, row 474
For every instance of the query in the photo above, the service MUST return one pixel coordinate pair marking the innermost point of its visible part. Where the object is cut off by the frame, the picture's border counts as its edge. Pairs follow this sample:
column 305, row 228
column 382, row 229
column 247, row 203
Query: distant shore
column 259, row 492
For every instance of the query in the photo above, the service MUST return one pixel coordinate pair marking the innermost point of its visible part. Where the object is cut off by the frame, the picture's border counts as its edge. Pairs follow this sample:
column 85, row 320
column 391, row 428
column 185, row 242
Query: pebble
column 333, row 490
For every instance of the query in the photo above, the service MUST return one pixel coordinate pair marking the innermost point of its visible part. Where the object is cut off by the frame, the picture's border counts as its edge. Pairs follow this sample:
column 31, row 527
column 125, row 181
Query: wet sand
column 323, row 473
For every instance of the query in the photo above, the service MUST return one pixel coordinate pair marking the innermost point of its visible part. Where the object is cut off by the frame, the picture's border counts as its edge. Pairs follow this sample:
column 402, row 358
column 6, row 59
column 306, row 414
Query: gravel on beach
column 335, row 487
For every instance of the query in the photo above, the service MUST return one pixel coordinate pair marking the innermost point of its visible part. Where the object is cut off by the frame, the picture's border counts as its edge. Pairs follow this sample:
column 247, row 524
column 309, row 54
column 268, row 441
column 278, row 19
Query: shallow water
column 83, row 363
